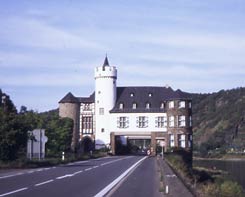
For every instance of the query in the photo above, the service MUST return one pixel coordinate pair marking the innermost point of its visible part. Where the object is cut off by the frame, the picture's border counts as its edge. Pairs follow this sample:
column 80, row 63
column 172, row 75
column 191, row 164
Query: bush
column 230, row 189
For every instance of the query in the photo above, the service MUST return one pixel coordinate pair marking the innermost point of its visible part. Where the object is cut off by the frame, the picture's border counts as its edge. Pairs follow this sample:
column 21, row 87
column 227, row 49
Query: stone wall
column 71, row 110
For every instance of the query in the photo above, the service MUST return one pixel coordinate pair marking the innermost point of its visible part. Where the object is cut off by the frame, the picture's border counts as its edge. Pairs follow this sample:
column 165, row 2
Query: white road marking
column 88, row 169
column 45, row 182
column 77, row 172
column 118, row 179
column 77, row 162
column 113, row 161
column 7, row 176
column 67, row 175
column 95, row 167
column 15, row 191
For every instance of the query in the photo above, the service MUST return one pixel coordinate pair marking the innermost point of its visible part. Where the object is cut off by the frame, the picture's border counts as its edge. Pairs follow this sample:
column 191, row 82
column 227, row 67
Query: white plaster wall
column 105, row 97
column 132, row 117
column 110, row 120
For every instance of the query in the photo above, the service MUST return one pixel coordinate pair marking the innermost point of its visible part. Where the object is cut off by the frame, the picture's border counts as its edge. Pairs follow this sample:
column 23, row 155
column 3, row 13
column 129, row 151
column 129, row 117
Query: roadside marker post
column 63, row 156
column 166, row 189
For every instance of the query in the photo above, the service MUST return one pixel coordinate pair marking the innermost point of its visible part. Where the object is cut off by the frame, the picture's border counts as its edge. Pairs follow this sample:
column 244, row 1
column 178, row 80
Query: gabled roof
column 143, row 95
column 89, row 99
column 69, row 98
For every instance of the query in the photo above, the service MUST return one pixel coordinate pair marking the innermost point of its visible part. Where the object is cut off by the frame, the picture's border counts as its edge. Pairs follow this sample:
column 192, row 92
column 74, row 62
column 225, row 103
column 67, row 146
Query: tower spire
column 106, row 62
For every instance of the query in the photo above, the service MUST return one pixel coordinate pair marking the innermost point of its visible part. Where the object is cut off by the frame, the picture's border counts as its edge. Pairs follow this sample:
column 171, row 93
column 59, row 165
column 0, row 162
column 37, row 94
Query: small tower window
column 181, row 104
column 147, row 106
column 121, row 106
column 134, row 105
column 171, row 104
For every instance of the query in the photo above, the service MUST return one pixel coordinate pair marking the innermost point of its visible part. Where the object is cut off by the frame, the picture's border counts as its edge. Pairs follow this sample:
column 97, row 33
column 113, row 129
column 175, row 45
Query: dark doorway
column 139, row 146
column 87, row 144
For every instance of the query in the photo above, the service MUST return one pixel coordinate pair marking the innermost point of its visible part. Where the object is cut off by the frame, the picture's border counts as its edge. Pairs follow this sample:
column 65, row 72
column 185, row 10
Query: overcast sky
column 48, row 48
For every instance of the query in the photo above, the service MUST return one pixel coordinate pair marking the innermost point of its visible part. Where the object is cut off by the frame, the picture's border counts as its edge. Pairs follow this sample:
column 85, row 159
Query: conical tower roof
column 106, row 63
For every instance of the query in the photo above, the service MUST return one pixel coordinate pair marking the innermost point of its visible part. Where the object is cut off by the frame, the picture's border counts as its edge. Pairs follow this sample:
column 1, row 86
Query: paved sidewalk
column 176, row 187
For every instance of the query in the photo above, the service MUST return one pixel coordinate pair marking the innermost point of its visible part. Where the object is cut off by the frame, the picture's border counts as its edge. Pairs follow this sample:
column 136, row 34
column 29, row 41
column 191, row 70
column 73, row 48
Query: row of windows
column 181, row 104
column 181, row 121
column 160, row 121
column 87, row 124
column 181, row 140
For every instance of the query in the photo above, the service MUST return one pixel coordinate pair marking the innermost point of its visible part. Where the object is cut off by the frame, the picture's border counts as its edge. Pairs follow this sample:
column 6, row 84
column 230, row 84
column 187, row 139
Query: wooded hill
column 219, row 120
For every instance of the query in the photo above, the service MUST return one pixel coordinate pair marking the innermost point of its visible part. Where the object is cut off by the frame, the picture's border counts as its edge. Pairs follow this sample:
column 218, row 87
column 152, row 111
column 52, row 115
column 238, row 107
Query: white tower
column 105, row 99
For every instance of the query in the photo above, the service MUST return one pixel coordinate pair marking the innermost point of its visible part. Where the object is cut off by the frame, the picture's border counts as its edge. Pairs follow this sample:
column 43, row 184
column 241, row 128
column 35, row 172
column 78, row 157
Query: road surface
column 110, row 176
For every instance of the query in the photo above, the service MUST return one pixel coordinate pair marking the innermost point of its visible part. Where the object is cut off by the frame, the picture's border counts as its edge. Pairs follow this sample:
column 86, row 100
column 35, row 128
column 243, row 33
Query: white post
column 166, row 189
column 63, row 156
column 162, row 152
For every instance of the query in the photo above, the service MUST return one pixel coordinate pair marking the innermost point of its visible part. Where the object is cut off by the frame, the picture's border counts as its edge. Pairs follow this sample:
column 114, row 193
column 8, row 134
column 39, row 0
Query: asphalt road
column 122, row 176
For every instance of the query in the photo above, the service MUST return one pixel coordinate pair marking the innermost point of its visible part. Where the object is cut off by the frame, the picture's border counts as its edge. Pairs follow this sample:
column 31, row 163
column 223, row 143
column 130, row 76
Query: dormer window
column 147, row 106
column 181, row 104
column 131, row 94
column 150, row 94
column 162, row 105
column 171, row 104
column 121, row 106
column 134, row 105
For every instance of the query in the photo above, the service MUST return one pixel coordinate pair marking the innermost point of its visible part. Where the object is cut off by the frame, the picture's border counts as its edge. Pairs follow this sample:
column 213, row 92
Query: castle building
column 154, row 115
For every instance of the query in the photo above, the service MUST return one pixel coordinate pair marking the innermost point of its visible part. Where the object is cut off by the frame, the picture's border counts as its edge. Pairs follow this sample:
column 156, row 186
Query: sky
column 49, row 48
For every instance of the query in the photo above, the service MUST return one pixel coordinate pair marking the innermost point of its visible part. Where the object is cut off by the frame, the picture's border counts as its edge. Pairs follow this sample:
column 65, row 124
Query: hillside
column 219, row 120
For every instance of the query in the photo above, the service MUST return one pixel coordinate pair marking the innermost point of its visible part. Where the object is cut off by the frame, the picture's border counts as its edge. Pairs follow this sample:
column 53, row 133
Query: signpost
column 162, row 144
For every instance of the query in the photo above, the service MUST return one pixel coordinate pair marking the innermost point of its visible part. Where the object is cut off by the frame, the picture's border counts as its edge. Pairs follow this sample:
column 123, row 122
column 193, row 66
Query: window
column 134, row 105
column 102, row 130
column 171, row 121
column 190, row 104
column 171, row 104
column 162, row 106
column 189, row 140
column 86, row 107
column 87, row 124
column 147, row 106
column 101, row 111
column 150, row 94
column 122, row 122
column 121, row 106
column 190, row 121
column 142, row 121
column 171, row 140
column 161, row 121
column 181, row 140
column 131, row 94
column 181, row 121
column 181, row 104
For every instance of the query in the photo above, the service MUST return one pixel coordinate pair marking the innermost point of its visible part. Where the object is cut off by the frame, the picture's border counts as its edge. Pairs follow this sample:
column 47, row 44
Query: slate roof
column 70, row 98
column 142, row 95
column 155, row 96
column 106, row 63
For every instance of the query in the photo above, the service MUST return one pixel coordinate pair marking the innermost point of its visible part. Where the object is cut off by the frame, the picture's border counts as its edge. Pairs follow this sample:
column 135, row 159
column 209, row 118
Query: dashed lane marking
column 45, row 182
column 12, row 192
column 65, row 176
